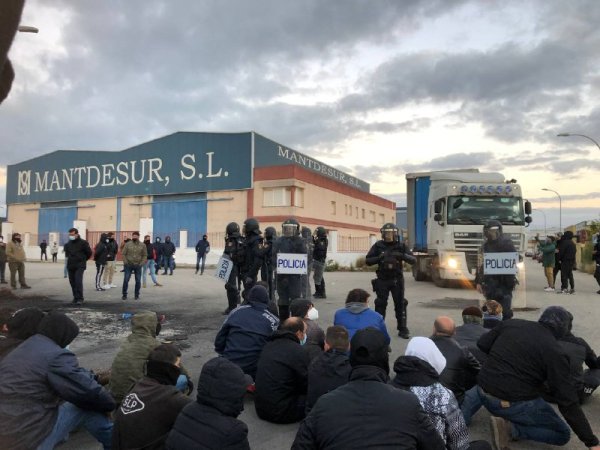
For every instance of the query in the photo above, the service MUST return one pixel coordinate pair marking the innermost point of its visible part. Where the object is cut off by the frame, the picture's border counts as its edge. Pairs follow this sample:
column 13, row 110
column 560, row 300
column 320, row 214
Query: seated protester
column 367, row 412
column 418, row 372
column 462, row 368
column 492, row 314
column 149, row 410
column 522, row 356
column 22, row 325
column 469, row 333
column 315, row 337
column 357, row 315
column 46, row 395
column 246, row 330
column 128, row 366
column 282, row 373
column 330, row 369
column 5, row 314
column 272, row 308
column 211, row 421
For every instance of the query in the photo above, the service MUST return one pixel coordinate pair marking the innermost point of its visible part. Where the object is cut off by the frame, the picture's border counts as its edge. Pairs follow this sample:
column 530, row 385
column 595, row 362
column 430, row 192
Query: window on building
column 372, row 216
column 280, row 196
column 333, row 208
column 357, row 212
column 382, row 218
column 346, row 208
column 363, row 213
column 299, row 197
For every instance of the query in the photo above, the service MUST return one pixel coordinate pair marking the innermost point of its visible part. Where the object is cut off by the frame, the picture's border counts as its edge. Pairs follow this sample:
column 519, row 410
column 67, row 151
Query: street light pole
column 559, row 207
column 581, row 135
column 542, row 211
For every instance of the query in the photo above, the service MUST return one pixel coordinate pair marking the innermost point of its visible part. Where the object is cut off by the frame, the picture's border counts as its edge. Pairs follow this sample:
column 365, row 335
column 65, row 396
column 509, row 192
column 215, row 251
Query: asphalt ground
column 193, row 304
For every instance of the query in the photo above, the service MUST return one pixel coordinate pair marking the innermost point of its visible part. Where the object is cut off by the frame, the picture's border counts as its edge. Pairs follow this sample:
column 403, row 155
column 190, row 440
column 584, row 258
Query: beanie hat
column 369, row 347
column 557, row 319
column 258, row 294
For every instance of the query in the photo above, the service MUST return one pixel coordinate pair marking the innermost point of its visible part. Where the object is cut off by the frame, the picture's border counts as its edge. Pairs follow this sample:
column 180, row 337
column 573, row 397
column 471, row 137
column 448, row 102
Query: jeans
column 169, row 262
column 534, row 420
column 470, row 404
column 76, row 281
column 137, row 272
column 200, row 257
column 99, row 273
column 54, row 257
column 566, row 275
column 149, row 267
column 70, row 417
column 2, row 270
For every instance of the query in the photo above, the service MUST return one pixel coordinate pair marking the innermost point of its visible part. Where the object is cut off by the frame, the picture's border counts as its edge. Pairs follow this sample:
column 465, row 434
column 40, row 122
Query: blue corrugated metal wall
column 421, row 211
column 56, row 218
column 172, row 213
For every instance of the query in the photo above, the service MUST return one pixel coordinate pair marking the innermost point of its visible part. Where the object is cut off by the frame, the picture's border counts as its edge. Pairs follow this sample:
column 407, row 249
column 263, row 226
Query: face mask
column 313, row 314
column 147, row 241
column 72, row 238
column 17, row 239
column 303, row 341
column 107, row 241
column 134, row 239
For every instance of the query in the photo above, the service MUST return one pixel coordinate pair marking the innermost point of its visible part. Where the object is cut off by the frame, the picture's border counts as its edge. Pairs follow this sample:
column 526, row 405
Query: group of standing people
column 559, row 255
column 44, row 251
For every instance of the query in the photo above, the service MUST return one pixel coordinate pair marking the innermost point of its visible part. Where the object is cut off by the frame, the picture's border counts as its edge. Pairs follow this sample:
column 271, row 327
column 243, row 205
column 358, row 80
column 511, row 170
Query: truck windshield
column 478, row 210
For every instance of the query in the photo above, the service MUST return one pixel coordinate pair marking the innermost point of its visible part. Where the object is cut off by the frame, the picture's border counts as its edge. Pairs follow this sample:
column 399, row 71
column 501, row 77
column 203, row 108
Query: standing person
column 158, row 247
column 168, row 250
column 559, row 239
column 100, row 255
column 389, row 253
column 548, row 249
column 126, row 239
column 320, row 243
column 289, row 287
column 202, row 249
column 44, row 250
column 496, row 287
column 15, row 255
column 2, row 260
column 310, row 246
column 595, row 254
column 266, row 271
column 567, row 252
column 134, row 257
column 77, row 252
column 111, row 256
column 254, row 253
column 150, row 262
column 54, row 252
column 234, row 250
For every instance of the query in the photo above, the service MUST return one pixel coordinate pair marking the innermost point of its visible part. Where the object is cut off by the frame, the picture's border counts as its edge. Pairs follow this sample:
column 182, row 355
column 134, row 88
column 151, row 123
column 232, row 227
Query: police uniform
column 389, row 254
column 254, row 254
column 496, row 287
column 307, row 236
column 234, row 250
column 266, row 271
column 320, row 244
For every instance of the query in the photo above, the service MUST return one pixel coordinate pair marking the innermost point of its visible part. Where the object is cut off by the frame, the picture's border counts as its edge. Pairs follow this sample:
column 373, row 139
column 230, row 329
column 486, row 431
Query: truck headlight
column 452, row 263
column 521, row 265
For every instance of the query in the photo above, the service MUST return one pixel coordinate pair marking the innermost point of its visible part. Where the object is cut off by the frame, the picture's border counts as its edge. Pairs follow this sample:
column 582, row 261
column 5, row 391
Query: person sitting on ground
column 149, row 410
column 315, row 336
column 469, row 333
column 211, row 421
column 330, row 369
column 462, row 367
column 522, row 357
column 357, row 315
column 492, row 314
column 46, row 395
column 246, row 331
column 5, row 314
column 367, row 412
column 128, row 366
column 22, row 325
column 418, row 371
column 281, row 377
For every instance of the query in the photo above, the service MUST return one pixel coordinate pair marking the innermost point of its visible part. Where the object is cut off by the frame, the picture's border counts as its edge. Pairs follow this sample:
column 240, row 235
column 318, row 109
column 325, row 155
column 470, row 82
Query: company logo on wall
column 183, row 162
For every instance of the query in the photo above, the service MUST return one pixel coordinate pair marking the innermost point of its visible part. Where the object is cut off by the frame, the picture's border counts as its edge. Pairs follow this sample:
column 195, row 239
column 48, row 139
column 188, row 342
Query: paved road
column 193, row 303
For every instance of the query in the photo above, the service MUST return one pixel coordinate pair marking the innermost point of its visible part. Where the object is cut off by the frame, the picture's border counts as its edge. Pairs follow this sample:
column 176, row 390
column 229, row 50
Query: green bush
column 331, row 266
column 586, row 252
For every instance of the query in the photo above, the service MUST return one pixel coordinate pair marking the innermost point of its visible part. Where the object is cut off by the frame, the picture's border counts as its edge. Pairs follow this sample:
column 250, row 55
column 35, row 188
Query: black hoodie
column 22, row 325
column 58, row 327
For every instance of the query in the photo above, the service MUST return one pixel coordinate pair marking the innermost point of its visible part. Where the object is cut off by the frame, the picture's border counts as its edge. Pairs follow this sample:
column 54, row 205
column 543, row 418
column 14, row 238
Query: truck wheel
column 417, row 274
column 435, row 276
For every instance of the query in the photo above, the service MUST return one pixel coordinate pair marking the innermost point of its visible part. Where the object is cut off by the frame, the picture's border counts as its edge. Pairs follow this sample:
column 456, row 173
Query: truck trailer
column 446, row 214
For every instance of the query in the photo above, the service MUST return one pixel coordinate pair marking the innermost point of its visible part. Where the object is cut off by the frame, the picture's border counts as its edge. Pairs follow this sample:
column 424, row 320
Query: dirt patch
column 450, row 302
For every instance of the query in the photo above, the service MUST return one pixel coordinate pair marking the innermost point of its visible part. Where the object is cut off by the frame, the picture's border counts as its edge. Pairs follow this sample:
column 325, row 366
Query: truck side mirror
column 437, row 217
column 528, row 208
column 437, row 207
column 528, row 219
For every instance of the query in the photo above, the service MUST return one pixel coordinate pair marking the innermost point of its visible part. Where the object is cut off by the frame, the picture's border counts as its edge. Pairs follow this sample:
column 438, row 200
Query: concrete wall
column 224, row 207
column 103, row 215
column 24, row 217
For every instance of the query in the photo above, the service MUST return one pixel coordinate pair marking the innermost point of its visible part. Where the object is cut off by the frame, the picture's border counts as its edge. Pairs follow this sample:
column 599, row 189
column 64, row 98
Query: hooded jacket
column 211, row 421
column 22, row 325
column 326, row 372
column 134, row 253
column 77, row 252
column 356, row 316
column 281, row 379
column 567, row 251
column 36, row 377
column 467, row 336
column 128, row 366
column 168, row 248
column 101, row 250
column 367, row 412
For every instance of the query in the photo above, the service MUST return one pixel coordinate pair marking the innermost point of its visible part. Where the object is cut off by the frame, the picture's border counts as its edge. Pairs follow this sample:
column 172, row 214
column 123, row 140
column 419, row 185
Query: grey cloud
column 567, row 197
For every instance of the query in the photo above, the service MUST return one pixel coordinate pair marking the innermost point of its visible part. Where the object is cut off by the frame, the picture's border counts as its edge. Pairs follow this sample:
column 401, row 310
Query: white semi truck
column 446, row 214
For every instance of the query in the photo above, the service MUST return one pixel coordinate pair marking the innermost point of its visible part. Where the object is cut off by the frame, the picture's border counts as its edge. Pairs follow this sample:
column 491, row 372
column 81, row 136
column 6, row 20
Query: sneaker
column 113, row 285
column 572, row 291
column 548, row 289
column 124, row 297
column 501, row 434
column 107, row 286
column 157, row 285
column 137, row 297
column 24, row 286
column 558, row 291
column 404, row 334
column 143, row 285
column 100, row 289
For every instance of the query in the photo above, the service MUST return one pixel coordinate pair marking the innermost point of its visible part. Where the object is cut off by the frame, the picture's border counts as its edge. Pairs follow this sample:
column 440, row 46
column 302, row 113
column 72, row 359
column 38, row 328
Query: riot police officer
column 308, row 241
column 254, row 253
column 320, row 244
column 289, row 286
column 266, row 271
column 496, row 287
column 388, row 254
column 234, row 250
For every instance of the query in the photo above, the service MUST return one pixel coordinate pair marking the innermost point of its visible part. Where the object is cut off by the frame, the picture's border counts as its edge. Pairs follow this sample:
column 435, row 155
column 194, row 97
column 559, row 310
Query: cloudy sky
column 378, row 88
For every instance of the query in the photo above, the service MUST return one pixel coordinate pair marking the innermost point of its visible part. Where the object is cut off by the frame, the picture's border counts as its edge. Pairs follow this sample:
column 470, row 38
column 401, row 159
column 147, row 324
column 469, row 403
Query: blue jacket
column 356, row 316
column 36, row 377
column 244, row 334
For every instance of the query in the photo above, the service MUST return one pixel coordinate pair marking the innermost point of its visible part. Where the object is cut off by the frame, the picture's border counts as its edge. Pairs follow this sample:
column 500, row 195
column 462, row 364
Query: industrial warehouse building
column 185, row 185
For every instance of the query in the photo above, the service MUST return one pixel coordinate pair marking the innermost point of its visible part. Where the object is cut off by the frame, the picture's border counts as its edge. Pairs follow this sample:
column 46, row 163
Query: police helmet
column 290, row 227
column 389, row 232
column 320, row 232
column 492, row 230
column 232, row 229
column 270, row 233
column 251, row 226
column 306, row 232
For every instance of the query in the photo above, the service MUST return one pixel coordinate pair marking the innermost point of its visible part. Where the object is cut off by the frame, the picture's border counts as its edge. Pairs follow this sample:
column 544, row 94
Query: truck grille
column 470, row 243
